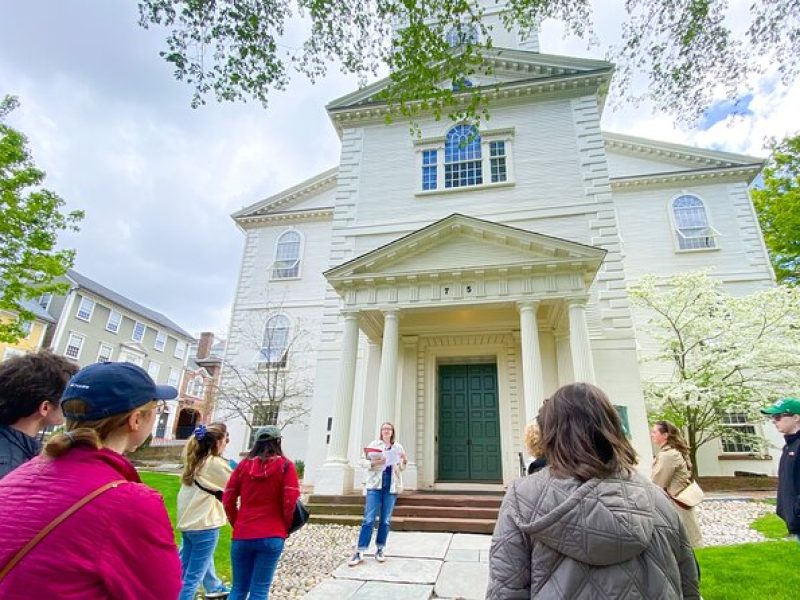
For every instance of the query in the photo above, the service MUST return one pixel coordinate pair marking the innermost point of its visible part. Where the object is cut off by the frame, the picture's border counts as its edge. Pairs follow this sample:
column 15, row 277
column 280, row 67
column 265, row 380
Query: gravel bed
column 314, row 552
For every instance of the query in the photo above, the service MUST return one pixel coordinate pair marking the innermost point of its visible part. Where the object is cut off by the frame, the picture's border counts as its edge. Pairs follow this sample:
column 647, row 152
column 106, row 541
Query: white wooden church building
column 449, row 287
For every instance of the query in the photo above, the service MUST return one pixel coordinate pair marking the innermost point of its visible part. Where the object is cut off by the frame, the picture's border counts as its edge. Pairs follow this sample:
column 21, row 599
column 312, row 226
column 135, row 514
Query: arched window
column 276, row 341
column 461, row 35
column 195, row 387
column 462, row 157
column 691, row 224
column 287, row 256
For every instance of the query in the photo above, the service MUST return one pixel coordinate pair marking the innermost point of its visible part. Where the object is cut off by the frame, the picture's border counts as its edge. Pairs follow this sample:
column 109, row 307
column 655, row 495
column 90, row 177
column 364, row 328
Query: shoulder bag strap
column 216, row 493
column 55, row 523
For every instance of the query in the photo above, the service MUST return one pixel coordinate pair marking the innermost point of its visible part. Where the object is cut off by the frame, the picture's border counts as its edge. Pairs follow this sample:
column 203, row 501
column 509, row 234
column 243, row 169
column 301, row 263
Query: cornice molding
column 298, row 192
column 315, row 214
column 747, row 173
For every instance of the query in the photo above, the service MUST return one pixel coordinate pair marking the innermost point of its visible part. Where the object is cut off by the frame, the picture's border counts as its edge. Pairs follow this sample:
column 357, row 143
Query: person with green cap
column 785, row 414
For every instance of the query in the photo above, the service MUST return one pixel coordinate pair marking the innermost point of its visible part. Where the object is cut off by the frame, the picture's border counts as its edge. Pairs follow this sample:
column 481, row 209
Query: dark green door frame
column 469, row 424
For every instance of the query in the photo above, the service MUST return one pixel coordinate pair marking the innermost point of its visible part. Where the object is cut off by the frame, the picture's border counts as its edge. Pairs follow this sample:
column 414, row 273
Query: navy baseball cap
column 113, row 388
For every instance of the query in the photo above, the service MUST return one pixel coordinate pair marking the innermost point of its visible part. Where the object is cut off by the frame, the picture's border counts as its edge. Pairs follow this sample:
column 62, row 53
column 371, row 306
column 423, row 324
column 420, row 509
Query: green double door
column 469, row 424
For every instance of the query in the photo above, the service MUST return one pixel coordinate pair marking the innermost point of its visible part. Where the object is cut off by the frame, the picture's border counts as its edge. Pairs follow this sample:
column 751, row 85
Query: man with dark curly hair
column 30, row 399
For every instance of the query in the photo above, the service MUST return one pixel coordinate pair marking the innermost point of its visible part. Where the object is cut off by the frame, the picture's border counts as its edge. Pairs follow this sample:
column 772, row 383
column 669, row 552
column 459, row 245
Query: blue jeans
column 197, row 562
column 254, row 563
column 376, row 499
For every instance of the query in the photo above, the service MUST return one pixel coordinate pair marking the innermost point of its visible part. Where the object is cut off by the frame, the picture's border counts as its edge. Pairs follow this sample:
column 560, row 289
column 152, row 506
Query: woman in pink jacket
column 118, row 542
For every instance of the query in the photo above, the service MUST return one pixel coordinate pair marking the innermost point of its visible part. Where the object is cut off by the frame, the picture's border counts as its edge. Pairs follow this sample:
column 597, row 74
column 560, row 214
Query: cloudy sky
column 158, row 180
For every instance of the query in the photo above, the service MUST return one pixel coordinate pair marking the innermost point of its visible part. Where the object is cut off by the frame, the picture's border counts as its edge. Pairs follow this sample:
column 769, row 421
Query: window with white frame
column 180, row 349
column 196, row 387
column 153, row 369
column 85, row 309
column 173, row 377
column 465, row 158
column 161, row 341
column 74, row 346
column 44, row 301
column 131, row 358
column 741, row 436
column 12, row 353
column 104, row 353
column 137, row 335
column 287, row 255
column 263, row 414
column 114, row 320
column 461, row 35
column 27, row 327
column 276, row 341
column 691, row 224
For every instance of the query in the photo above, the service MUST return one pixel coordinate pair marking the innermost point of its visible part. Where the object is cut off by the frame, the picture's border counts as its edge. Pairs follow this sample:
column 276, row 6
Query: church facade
column 449, row 282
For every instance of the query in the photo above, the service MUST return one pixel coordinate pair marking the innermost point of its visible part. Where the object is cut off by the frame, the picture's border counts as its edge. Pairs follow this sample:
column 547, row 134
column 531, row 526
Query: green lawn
column 744, row 572
column 168, row 486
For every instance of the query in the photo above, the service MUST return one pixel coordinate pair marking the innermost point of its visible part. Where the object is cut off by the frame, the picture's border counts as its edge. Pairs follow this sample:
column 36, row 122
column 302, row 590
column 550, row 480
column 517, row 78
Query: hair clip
column 200, row 432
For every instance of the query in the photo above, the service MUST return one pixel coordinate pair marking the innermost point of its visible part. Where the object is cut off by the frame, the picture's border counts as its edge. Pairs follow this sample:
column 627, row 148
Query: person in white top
column 200, row 511
column 385, row 459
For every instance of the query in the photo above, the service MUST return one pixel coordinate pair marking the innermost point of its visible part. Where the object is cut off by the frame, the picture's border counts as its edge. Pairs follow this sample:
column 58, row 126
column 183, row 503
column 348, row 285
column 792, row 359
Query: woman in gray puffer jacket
column 588, row 526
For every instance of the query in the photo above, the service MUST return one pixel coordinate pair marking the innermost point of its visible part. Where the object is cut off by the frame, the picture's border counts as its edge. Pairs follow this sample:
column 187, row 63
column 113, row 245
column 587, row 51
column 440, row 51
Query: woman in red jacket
column 266, row 488
column 117, row 543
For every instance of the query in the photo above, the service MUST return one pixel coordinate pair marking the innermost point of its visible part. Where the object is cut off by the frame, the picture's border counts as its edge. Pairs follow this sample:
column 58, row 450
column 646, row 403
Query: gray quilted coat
column 603, row 538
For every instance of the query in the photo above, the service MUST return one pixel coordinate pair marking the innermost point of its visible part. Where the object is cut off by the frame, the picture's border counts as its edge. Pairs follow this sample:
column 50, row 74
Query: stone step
column 414, row 523
column 452, row 500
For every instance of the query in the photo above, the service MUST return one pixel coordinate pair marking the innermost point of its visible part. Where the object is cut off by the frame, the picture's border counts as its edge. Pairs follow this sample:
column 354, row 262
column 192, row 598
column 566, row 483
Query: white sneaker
column 357, row 558
column 379, row 556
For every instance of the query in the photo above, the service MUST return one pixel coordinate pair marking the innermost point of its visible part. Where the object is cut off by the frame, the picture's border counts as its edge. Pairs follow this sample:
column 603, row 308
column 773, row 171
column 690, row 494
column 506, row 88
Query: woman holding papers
column 385, row 459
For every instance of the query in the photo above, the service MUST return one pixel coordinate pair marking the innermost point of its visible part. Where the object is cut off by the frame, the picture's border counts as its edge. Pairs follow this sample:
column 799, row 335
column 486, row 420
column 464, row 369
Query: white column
column 532, row 378
column 580, row 347
column 387, row 384
column 563, row 357
column 408, row 409
column 335, row 477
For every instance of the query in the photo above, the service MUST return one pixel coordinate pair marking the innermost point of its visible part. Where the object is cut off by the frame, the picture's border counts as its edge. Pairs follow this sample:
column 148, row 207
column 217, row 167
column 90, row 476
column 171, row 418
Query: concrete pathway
column 419, row 566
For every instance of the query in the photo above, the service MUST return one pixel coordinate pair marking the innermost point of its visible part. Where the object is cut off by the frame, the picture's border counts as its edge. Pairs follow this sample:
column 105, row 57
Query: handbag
column 690, row 496
column 301, row 515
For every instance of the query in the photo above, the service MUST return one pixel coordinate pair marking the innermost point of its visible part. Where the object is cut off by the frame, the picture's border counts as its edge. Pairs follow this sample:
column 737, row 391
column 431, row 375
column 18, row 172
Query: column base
column 334, row 479
column 411, row 477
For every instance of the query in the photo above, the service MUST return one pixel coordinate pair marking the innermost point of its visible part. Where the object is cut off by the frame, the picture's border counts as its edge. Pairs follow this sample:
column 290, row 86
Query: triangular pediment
column 462, row 243
column 312, row 194
column 505, row 67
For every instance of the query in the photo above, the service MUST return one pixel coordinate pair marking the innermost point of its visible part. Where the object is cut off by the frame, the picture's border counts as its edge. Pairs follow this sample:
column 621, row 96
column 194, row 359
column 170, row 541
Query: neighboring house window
column 138, row 331
column 161, row 341
column 497, row 159
column 114, row 319
column 180, row 349
column 152, row 369
column 74, row 345
column 131, row 358
column 691, row 224
column 105, row 353
column 276, row 341
column 85, row 309
column 263, row 414
column 196, row 387
column 461, row 34
column 462, row 157
column 26, row 327
column 429, row 160
column 44, row 301
column 173, row 377
column 287, row 256
column 11, row 353
column 739, row 425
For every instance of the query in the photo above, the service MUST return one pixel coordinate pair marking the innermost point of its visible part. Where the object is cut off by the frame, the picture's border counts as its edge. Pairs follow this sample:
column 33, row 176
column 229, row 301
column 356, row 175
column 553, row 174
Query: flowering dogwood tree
column 717, row 354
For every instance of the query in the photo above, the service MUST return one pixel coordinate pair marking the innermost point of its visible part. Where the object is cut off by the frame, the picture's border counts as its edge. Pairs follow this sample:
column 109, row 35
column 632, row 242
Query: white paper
column 392, row 456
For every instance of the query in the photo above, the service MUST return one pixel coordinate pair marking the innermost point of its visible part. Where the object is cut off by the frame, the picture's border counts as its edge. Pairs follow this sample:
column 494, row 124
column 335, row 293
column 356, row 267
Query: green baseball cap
column 789, row 406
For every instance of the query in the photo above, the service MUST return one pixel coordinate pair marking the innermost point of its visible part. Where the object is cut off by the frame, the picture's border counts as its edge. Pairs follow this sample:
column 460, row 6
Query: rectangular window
column 131, row 358
column 497, row 157
column 114, row 319
column 138, row 331
column 105, row 353
column 26, row 327
column 263, row 414
column 44, row 300
column 12, row 353
column 738, row 440
column 85, row 309
column 173, row 378
column 152, row 369
column 161, row 341
column 180, row 349
column 429, row 159
column 462, row 174
column 74, row 345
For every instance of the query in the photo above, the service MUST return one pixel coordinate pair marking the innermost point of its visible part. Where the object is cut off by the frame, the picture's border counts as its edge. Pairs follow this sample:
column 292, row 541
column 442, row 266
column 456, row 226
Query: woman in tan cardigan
column 672, row 470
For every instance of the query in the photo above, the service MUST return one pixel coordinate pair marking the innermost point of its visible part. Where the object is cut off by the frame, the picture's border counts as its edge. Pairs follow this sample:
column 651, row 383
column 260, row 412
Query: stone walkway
column 419, row 566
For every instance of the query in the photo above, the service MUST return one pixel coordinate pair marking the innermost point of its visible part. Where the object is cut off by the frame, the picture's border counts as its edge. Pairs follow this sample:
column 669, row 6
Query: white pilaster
column 408, row 410
column 580, row 347
column 387, row 384
column 532, row 378
column 336, row 475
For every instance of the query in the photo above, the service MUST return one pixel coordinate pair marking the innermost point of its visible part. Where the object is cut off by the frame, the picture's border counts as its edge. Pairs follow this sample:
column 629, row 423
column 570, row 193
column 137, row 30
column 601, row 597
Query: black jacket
column 15, row 448
column 789, row 484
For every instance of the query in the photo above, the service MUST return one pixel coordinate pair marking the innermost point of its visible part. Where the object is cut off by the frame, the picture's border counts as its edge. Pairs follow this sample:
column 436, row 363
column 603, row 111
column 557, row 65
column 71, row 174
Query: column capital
column 350, row 314
column 577, row 301
column 393, row 313
column 528, row 304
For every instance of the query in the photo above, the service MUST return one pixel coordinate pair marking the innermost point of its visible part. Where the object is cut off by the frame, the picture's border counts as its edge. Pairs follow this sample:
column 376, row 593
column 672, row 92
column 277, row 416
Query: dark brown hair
column 266, row 449
column 675, row 439
column 380, row 433
column 27, row 381
column 198, row 450
column 582, row 434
